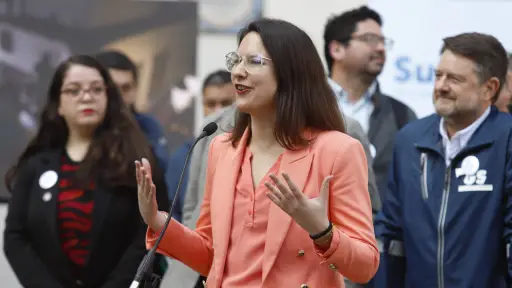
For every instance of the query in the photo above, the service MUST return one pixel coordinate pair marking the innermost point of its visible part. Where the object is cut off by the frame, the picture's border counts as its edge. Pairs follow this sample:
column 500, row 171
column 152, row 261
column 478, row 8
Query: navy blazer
column 31, row 240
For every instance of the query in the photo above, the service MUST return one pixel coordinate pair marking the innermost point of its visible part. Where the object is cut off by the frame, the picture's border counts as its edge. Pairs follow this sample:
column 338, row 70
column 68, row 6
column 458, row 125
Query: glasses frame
column 83, row 91
column 243, row 59
column 387, row 42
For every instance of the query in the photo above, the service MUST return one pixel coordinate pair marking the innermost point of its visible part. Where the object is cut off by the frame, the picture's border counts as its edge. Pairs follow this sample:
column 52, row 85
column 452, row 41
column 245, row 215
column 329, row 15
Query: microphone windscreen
column 210, row 128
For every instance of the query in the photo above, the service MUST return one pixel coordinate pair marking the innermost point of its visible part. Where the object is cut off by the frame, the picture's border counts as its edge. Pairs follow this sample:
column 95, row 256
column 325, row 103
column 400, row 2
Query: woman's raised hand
column 146, row 192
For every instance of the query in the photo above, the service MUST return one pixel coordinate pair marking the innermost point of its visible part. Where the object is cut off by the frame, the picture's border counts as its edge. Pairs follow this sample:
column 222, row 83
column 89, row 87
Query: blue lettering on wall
column 408, row 71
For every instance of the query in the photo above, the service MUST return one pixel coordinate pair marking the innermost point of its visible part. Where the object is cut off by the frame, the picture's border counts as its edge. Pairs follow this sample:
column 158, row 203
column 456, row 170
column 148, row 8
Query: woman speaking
column 286, row 201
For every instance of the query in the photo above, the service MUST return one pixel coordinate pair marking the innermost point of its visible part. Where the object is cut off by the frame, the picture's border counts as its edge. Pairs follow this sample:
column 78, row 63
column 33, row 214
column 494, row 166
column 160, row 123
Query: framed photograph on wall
column 228, row 16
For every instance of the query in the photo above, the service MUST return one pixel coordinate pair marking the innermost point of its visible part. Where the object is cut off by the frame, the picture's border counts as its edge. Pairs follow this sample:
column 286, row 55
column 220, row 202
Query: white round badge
column 470, row 165
column 373, row 151
column 48, row 179
column 47, row 196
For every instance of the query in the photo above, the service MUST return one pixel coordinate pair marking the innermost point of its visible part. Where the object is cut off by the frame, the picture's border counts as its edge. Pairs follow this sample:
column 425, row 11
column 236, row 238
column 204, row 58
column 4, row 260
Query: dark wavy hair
column 117, row 142
column 303, row 98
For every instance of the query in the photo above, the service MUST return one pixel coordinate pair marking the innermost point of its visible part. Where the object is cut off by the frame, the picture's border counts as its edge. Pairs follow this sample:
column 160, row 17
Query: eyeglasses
column 252, row 63
column 374, row 40
column 77, row 91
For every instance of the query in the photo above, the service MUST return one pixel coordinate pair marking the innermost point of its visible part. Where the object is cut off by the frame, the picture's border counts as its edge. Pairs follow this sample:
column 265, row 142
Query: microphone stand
column 149, row 258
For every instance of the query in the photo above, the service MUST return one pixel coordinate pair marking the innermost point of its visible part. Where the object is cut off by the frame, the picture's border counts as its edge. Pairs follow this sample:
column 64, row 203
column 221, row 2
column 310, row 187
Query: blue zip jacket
column 447, row 227
column 155, row 135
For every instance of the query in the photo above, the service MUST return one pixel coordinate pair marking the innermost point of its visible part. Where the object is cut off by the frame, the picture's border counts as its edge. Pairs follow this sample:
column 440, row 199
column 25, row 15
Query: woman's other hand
column 310, row 214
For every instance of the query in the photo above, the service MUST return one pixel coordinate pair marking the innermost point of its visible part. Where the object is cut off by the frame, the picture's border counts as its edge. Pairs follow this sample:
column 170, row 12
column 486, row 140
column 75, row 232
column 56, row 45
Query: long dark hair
column 116, row 144
column 303, row 98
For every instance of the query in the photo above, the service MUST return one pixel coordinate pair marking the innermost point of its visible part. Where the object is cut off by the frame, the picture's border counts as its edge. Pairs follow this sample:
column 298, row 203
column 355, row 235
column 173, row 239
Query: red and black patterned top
column 75, row 206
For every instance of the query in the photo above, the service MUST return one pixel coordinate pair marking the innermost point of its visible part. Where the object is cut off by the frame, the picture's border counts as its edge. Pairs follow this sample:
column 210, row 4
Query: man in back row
column 355, row 52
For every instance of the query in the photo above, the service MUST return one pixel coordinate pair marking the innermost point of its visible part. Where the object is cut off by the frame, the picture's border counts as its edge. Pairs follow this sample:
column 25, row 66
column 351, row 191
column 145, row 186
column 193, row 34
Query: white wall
column 309, row 15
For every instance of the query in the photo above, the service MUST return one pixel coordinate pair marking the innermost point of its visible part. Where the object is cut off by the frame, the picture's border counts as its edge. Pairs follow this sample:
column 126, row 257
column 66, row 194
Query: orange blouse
column 248, row 231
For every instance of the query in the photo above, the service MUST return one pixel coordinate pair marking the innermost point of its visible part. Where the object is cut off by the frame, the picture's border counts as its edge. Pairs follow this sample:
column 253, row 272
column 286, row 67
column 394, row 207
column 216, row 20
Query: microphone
column 147, row 261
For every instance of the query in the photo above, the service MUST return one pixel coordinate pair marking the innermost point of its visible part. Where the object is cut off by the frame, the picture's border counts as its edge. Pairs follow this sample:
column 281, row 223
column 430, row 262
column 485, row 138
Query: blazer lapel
column 47, row 180
column 297, row 165
column 223, row 198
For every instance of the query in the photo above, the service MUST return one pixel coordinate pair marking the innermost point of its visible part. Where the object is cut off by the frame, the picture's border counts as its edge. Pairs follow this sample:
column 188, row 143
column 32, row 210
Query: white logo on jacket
column 474, row 178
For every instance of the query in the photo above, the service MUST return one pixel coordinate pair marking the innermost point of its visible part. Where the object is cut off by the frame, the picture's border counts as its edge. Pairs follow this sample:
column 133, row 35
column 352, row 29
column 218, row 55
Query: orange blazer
column 290, row 258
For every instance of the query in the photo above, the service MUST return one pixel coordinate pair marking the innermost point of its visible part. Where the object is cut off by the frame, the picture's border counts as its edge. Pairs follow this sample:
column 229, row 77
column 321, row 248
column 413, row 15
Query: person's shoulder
column 333, row 142
column 35, row 160
column 148, row 120
column 391, row 98
column 39, row 159
column 353, row 126
column 217, row 143
column 222, row 141
column 505, row 119
column 349, row 121
column 388, row 97
column 397, row 102
column 182, row 150
column 498, row 126
column 217, row 147
column 221, row 114
column 417, row 129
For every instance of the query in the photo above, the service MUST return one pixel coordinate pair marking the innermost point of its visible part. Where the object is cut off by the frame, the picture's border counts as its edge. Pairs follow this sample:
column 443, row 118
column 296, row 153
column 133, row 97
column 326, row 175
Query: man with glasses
column 355, row 51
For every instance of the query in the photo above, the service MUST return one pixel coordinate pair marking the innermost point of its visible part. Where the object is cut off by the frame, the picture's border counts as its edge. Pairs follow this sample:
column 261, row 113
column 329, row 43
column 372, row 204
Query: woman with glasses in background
column 286, row 201
column 73, row 219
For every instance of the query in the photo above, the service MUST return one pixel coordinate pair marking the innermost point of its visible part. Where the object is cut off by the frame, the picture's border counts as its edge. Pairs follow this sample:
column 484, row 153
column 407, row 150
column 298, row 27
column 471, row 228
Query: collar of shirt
column 341, row 94
column 460, row 139
column 360, row 110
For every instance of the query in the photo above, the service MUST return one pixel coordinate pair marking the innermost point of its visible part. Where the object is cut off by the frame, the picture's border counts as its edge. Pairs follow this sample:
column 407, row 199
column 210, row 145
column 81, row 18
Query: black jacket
column 32, row 244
